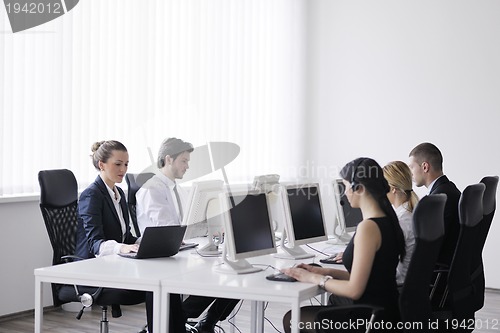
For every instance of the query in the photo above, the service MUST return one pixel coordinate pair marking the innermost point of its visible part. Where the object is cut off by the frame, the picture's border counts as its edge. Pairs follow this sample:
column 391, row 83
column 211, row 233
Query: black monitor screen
column 251, row 227
column 305, row 211
column 352, row 216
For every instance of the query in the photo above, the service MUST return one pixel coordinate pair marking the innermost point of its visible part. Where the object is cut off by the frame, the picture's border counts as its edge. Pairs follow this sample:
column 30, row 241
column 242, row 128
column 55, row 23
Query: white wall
column 387, row 75
column 24, row 247
column 383, row 76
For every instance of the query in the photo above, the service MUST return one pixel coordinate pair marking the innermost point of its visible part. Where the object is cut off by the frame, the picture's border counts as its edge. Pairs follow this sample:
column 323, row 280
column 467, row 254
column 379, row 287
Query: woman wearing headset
column 372, row 254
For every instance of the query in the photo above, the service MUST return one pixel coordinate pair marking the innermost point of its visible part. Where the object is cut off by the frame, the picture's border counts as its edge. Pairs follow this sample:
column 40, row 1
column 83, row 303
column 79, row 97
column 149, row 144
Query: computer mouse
column 331, row 260
column 314, row 264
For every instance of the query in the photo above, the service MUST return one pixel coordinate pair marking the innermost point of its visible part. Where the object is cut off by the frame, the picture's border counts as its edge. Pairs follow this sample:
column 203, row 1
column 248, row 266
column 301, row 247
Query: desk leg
column 257, row 320
column 38, row 306
column 295, row 316
column 157, row 315
column 165, row 316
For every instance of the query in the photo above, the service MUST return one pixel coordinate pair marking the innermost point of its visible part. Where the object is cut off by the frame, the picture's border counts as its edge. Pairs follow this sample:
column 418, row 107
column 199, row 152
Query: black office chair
column 345, row 314
column 489, row 206
column 459, row 293
column 428, row 224
column 59, row 206
column 428, row 227
column 134, row 183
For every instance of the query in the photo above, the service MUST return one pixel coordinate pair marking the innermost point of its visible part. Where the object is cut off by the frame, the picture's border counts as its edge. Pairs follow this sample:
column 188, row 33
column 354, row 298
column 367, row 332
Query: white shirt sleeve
column 155, row 207
column 406, row 222
column 109, row 247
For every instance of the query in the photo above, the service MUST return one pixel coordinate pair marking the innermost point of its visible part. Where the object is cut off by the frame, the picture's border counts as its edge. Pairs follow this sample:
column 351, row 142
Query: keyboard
column 128, row 255
column 186, row 246
column 280, row 277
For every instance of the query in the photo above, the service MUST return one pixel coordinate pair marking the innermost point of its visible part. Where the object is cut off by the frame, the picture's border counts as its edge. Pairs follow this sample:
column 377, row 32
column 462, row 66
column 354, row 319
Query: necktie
column 179, row 203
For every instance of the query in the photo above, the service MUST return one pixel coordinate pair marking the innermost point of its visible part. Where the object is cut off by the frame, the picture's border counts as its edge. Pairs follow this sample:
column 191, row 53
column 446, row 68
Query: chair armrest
column 440, row 265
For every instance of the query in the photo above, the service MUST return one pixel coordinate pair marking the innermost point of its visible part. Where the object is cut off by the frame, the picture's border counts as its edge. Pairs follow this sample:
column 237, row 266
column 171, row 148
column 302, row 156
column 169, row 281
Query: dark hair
column 368, row 173
column 172, row 147
column 102, row 151
column 427, row 152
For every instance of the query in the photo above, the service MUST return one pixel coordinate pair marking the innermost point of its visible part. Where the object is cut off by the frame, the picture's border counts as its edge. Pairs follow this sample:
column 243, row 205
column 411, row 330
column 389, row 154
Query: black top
column 381, row 289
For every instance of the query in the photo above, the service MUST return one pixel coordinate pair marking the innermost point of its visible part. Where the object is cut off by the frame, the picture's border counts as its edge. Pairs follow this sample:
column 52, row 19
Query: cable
column 270, row 323
column 219, row 329
column 321, row 252
column 229, row 320
column 266, row 266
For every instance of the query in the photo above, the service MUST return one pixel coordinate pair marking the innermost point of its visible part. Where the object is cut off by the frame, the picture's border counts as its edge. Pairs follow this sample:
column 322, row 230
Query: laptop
column 159, row 242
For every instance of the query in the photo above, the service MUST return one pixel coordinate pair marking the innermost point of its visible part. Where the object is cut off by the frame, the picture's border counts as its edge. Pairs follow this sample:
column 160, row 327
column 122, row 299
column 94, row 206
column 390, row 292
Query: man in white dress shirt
column 160, row 202
column 157, row 202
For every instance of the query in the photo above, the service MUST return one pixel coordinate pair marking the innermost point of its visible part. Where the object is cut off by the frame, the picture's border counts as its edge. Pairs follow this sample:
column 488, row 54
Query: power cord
column 229, row 320
column 314, row 249
column 272, row 325
column 266, row 266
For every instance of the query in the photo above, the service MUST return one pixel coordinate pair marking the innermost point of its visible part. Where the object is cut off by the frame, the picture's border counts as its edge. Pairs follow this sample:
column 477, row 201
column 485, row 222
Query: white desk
column 115, row 272
column 185, row 273
column 253, row 286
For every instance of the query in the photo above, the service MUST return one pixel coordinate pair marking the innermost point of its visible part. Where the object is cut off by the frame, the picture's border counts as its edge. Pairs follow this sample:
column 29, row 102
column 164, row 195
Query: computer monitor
column 248, row 230
column 266, row 182
column 347, row 216
column 202, row 216
column 270, row 185
column 304, row 220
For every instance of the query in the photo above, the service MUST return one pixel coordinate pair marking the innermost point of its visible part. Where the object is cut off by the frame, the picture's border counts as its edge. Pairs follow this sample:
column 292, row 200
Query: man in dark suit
column 426, row 165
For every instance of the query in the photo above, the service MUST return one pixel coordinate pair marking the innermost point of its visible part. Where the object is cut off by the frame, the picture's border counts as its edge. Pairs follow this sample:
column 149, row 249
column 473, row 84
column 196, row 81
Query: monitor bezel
column 340, row 210
column 292, row 241
column 211, row 190
column 229, row 241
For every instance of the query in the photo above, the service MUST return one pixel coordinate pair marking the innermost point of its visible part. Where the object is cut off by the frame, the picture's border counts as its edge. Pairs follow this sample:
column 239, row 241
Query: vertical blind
column 141, row 71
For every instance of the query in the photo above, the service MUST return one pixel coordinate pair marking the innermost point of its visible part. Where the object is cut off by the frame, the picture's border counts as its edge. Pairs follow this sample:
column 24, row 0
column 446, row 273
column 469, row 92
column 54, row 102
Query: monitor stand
column 294, row 253
column 343, row 239
column 339, row 239
column 240, row 266
column 215, row 230
column 210, row 250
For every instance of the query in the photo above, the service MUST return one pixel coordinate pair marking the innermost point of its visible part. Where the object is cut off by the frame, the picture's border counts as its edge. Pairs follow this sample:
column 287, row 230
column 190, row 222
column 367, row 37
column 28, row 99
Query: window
column 141, row 71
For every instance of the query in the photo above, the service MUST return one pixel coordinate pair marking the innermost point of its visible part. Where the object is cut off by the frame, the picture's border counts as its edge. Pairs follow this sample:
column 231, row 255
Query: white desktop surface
column 116, row 272
column 253, row 286
column 184, row 273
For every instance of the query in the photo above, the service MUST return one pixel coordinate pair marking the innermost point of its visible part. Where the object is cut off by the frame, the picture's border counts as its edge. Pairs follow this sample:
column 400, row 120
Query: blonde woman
column 403, row 200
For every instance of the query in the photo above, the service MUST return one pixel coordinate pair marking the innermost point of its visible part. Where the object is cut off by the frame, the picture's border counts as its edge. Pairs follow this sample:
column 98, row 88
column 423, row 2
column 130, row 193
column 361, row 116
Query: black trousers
column 194, row 306
column 176, row 318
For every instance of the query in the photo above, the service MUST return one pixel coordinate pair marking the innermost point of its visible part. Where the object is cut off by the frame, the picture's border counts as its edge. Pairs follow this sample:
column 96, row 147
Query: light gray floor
column 59, row 321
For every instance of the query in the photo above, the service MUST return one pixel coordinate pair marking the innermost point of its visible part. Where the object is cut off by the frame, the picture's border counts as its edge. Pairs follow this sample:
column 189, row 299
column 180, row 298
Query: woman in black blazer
column 104, row 225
